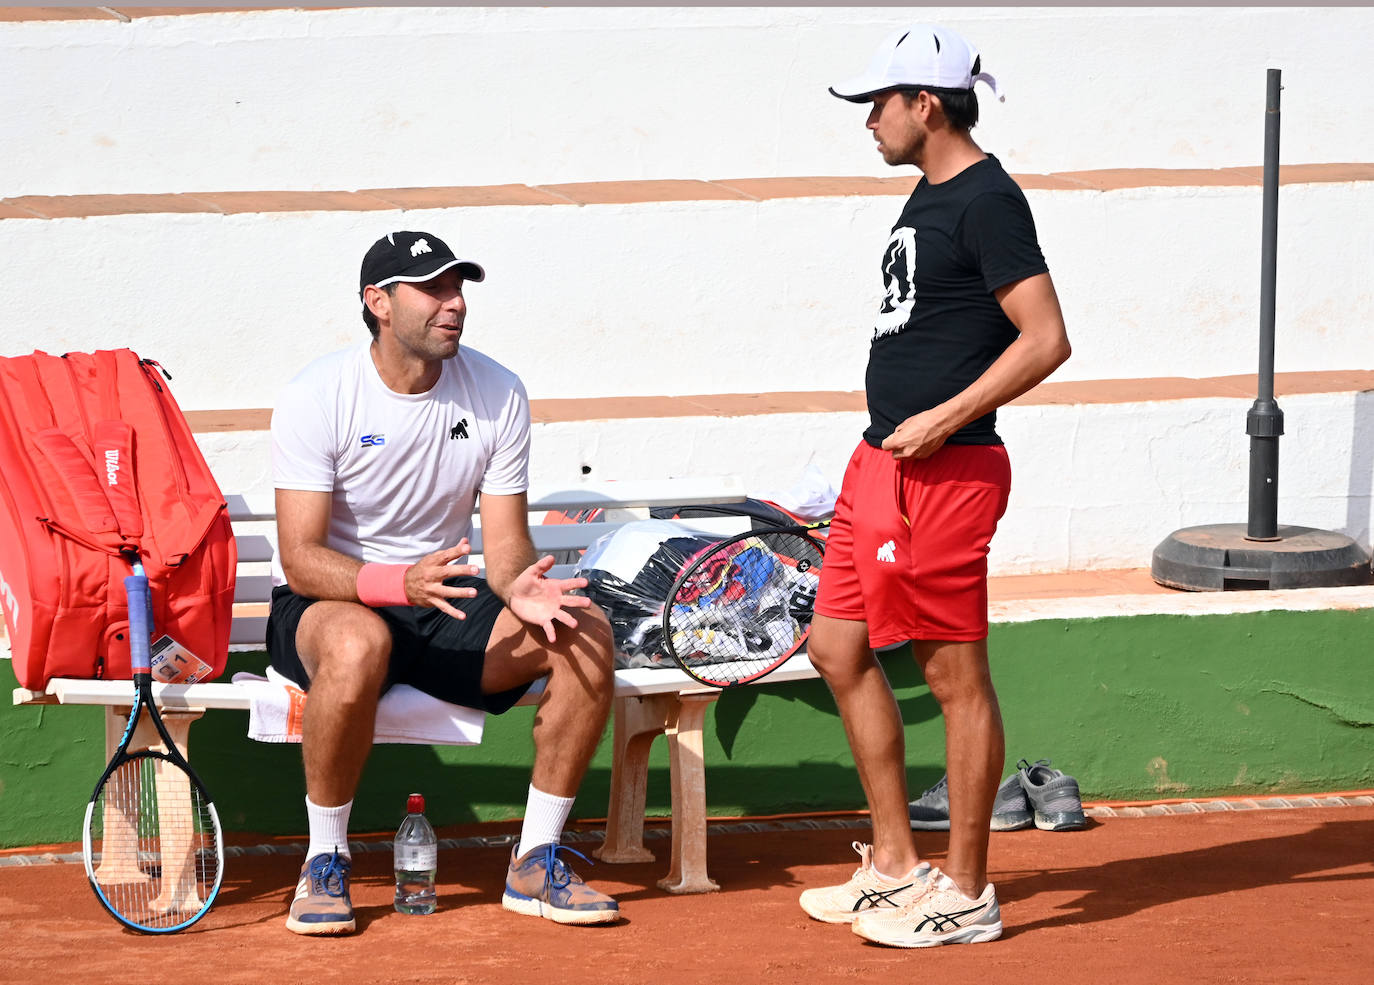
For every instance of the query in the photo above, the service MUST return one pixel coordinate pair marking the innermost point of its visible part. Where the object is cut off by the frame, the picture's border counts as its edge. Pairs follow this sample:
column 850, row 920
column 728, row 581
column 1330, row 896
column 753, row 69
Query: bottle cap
column 415, row 804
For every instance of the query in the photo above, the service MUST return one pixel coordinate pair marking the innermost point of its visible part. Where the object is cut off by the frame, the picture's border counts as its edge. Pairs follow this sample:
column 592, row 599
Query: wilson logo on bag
column 99, row 470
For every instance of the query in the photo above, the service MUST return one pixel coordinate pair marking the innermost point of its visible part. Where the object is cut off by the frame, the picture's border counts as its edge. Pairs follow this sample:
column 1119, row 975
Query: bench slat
column 635, row 682
column 547, row 537
column 253, row 588
column 578, row 536
column 252, row 506
column 622, row 494
column 255, row 547
column 248, row 631
column 629, row 494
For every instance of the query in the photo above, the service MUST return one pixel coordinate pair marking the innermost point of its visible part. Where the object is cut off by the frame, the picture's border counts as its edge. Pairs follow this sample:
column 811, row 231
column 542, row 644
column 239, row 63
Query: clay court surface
column 1281, row 895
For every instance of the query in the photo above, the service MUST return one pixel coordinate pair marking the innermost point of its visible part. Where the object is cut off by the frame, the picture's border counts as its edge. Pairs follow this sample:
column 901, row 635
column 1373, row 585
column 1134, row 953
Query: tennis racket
column 151, row 841
column 740, row 608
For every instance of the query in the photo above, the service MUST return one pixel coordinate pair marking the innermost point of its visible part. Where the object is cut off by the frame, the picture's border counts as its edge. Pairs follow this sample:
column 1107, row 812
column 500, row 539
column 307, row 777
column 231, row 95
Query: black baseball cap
column 412, row 258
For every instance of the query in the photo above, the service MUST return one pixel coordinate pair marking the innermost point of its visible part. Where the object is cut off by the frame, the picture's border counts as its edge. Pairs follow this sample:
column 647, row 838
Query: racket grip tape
column 140, row 626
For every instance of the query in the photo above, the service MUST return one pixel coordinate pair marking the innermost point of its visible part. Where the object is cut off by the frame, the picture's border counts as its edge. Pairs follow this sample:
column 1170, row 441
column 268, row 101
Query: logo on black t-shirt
column 459, row 430
column 899, row 276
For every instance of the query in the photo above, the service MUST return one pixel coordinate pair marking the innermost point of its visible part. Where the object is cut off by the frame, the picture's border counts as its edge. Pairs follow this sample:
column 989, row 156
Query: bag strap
column 108, row 542
column 36, row 403
column 114, row 451
column 189, row 536
column 74, row 469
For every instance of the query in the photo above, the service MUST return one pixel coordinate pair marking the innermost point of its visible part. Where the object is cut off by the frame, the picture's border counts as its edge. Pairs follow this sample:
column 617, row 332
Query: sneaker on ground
column 541, row 884
column 866, row 890
column 322, row 904
column 930, row 811
column 1054, row 796
column 942, row 915
column 1011, row 811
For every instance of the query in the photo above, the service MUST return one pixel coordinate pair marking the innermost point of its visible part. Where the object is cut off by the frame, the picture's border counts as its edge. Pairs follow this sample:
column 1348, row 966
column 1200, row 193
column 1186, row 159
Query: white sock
column 545, row 816
column 328, row 829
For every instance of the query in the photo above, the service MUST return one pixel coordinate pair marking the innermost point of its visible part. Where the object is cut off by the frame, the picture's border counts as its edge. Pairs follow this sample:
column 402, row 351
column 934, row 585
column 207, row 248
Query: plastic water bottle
column 416, row 852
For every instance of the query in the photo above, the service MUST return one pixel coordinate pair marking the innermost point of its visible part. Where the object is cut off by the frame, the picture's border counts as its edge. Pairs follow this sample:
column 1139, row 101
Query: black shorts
column 430, row 650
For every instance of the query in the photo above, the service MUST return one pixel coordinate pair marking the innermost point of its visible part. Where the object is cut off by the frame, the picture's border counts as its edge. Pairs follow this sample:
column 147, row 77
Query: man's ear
column 928, row 105
column 378, row 302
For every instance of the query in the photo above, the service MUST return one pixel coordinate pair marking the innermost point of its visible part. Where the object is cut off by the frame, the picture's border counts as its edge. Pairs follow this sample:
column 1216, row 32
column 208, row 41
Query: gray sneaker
column 1010, row 811
column 930, row 811
column 1054, row 796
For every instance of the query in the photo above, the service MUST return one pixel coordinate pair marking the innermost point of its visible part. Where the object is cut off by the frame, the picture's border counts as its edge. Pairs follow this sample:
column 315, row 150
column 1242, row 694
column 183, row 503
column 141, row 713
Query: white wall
column 680, row 298
column 386, row 97
column 1094, row 486
column 689, row 297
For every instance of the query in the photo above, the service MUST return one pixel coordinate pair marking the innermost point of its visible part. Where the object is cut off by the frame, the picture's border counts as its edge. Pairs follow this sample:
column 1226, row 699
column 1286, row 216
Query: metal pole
column 1264, row 423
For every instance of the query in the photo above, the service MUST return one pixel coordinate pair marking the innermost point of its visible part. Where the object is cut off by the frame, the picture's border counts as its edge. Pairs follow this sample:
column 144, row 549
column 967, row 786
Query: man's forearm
column 1024, row 364
column 318, row 572
column 504, row 562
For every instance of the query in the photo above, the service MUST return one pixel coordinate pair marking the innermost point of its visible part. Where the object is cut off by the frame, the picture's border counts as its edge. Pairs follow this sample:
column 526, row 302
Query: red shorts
column 908, row 548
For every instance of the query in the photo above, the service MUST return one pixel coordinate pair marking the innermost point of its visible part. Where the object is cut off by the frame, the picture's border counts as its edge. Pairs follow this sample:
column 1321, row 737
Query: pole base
column 1219, row 558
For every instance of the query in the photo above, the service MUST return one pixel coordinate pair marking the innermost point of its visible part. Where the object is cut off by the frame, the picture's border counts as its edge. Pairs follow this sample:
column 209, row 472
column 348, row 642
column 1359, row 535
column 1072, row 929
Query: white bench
column 648, row 701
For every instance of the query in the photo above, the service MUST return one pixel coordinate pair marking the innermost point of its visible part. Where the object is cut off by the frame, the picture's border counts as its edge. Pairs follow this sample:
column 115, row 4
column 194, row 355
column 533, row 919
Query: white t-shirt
column 404, row 469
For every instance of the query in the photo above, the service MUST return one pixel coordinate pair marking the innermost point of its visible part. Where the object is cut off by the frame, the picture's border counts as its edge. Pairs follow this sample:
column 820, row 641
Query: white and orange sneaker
column 941, row 915
column 865, row 891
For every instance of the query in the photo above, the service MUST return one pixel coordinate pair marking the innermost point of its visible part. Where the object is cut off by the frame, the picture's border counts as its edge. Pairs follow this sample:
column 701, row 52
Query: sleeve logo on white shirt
column 371, row 440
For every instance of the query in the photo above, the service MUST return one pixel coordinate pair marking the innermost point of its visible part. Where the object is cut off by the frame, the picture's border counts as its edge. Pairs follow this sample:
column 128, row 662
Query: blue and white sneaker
column 540, row 884
column 322, row 905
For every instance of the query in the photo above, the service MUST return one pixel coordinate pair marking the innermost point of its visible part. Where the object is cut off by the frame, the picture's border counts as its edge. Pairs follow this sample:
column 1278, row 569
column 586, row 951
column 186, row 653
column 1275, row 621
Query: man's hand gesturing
column 425, row 579
column 542, row 601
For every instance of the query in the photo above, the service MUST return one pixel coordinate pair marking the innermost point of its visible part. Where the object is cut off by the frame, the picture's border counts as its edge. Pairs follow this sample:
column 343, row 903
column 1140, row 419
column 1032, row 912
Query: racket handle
column 136, row 587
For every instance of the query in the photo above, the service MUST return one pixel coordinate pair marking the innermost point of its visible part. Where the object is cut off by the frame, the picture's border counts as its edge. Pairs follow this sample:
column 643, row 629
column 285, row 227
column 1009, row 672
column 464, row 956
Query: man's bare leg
column 576, row 704
column 839, row 650
column 345, row 647
column 975, row 750
column 568, row 724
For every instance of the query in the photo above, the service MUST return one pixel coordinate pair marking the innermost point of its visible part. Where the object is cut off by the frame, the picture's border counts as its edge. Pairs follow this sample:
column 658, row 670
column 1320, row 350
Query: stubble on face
column 427, row 318
column 900, row 136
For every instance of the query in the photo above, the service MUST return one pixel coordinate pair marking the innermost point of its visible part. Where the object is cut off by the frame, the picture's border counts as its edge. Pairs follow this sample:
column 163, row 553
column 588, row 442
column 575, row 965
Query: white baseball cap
column 921, row 55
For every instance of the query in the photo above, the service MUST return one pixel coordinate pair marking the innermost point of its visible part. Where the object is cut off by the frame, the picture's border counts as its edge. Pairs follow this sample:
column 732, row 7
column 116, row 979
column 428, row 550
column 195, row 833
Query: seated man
column 379, row 452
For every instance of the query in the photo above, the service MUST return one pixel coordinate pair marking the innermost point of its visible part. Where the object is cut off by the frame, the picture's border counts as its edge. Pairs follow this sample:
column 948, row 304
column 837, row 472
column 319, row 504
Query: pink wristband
column 382, row 584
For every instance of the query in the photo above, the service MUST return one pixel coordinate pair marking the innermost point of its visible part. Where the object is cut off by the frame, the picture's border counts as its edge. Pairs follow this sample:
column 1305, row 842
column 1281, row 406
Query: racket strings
column 154, row 844
column 744, row 607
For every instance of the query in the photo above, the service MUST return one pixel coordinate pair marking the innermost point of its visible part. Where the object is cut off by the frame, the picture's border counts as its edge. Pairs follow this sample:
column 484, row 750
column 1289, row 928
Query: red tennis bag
column 99, row 471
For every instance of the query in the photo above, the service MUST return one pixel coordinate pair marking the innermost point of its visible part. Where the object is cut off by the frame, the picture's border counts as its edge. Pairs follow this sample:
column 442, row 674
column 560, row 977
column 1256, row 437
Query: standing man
column 379, row 452
column 970, row 320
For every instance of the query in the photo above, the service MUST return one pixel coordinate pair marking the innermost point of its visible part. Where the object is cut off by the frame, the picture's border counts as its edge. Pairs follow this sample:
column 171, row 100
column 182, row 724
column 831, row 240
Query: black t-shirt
column 939, row 326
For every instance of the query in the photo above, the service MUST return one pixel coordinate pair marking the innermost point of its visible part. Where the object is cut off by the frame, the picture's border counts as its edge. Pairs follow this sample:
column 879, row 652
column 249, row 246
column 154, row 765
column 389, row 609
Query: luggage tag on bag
column 172, row 663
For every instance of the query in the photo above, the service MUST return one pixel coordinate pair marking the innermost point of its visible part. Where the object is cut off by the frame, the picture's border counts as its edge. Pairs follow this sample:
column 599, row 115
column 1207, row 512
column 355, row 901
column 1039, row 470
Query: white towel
column 404, row 714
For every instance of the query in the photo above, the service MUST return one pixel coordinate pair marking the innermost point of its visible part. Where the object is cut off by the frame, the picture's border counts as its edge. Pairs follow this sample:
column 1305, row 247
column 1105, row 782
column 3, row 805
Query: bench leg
column 177, row 828
column 688, row 768
column 119, row 847
column 637, row 722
